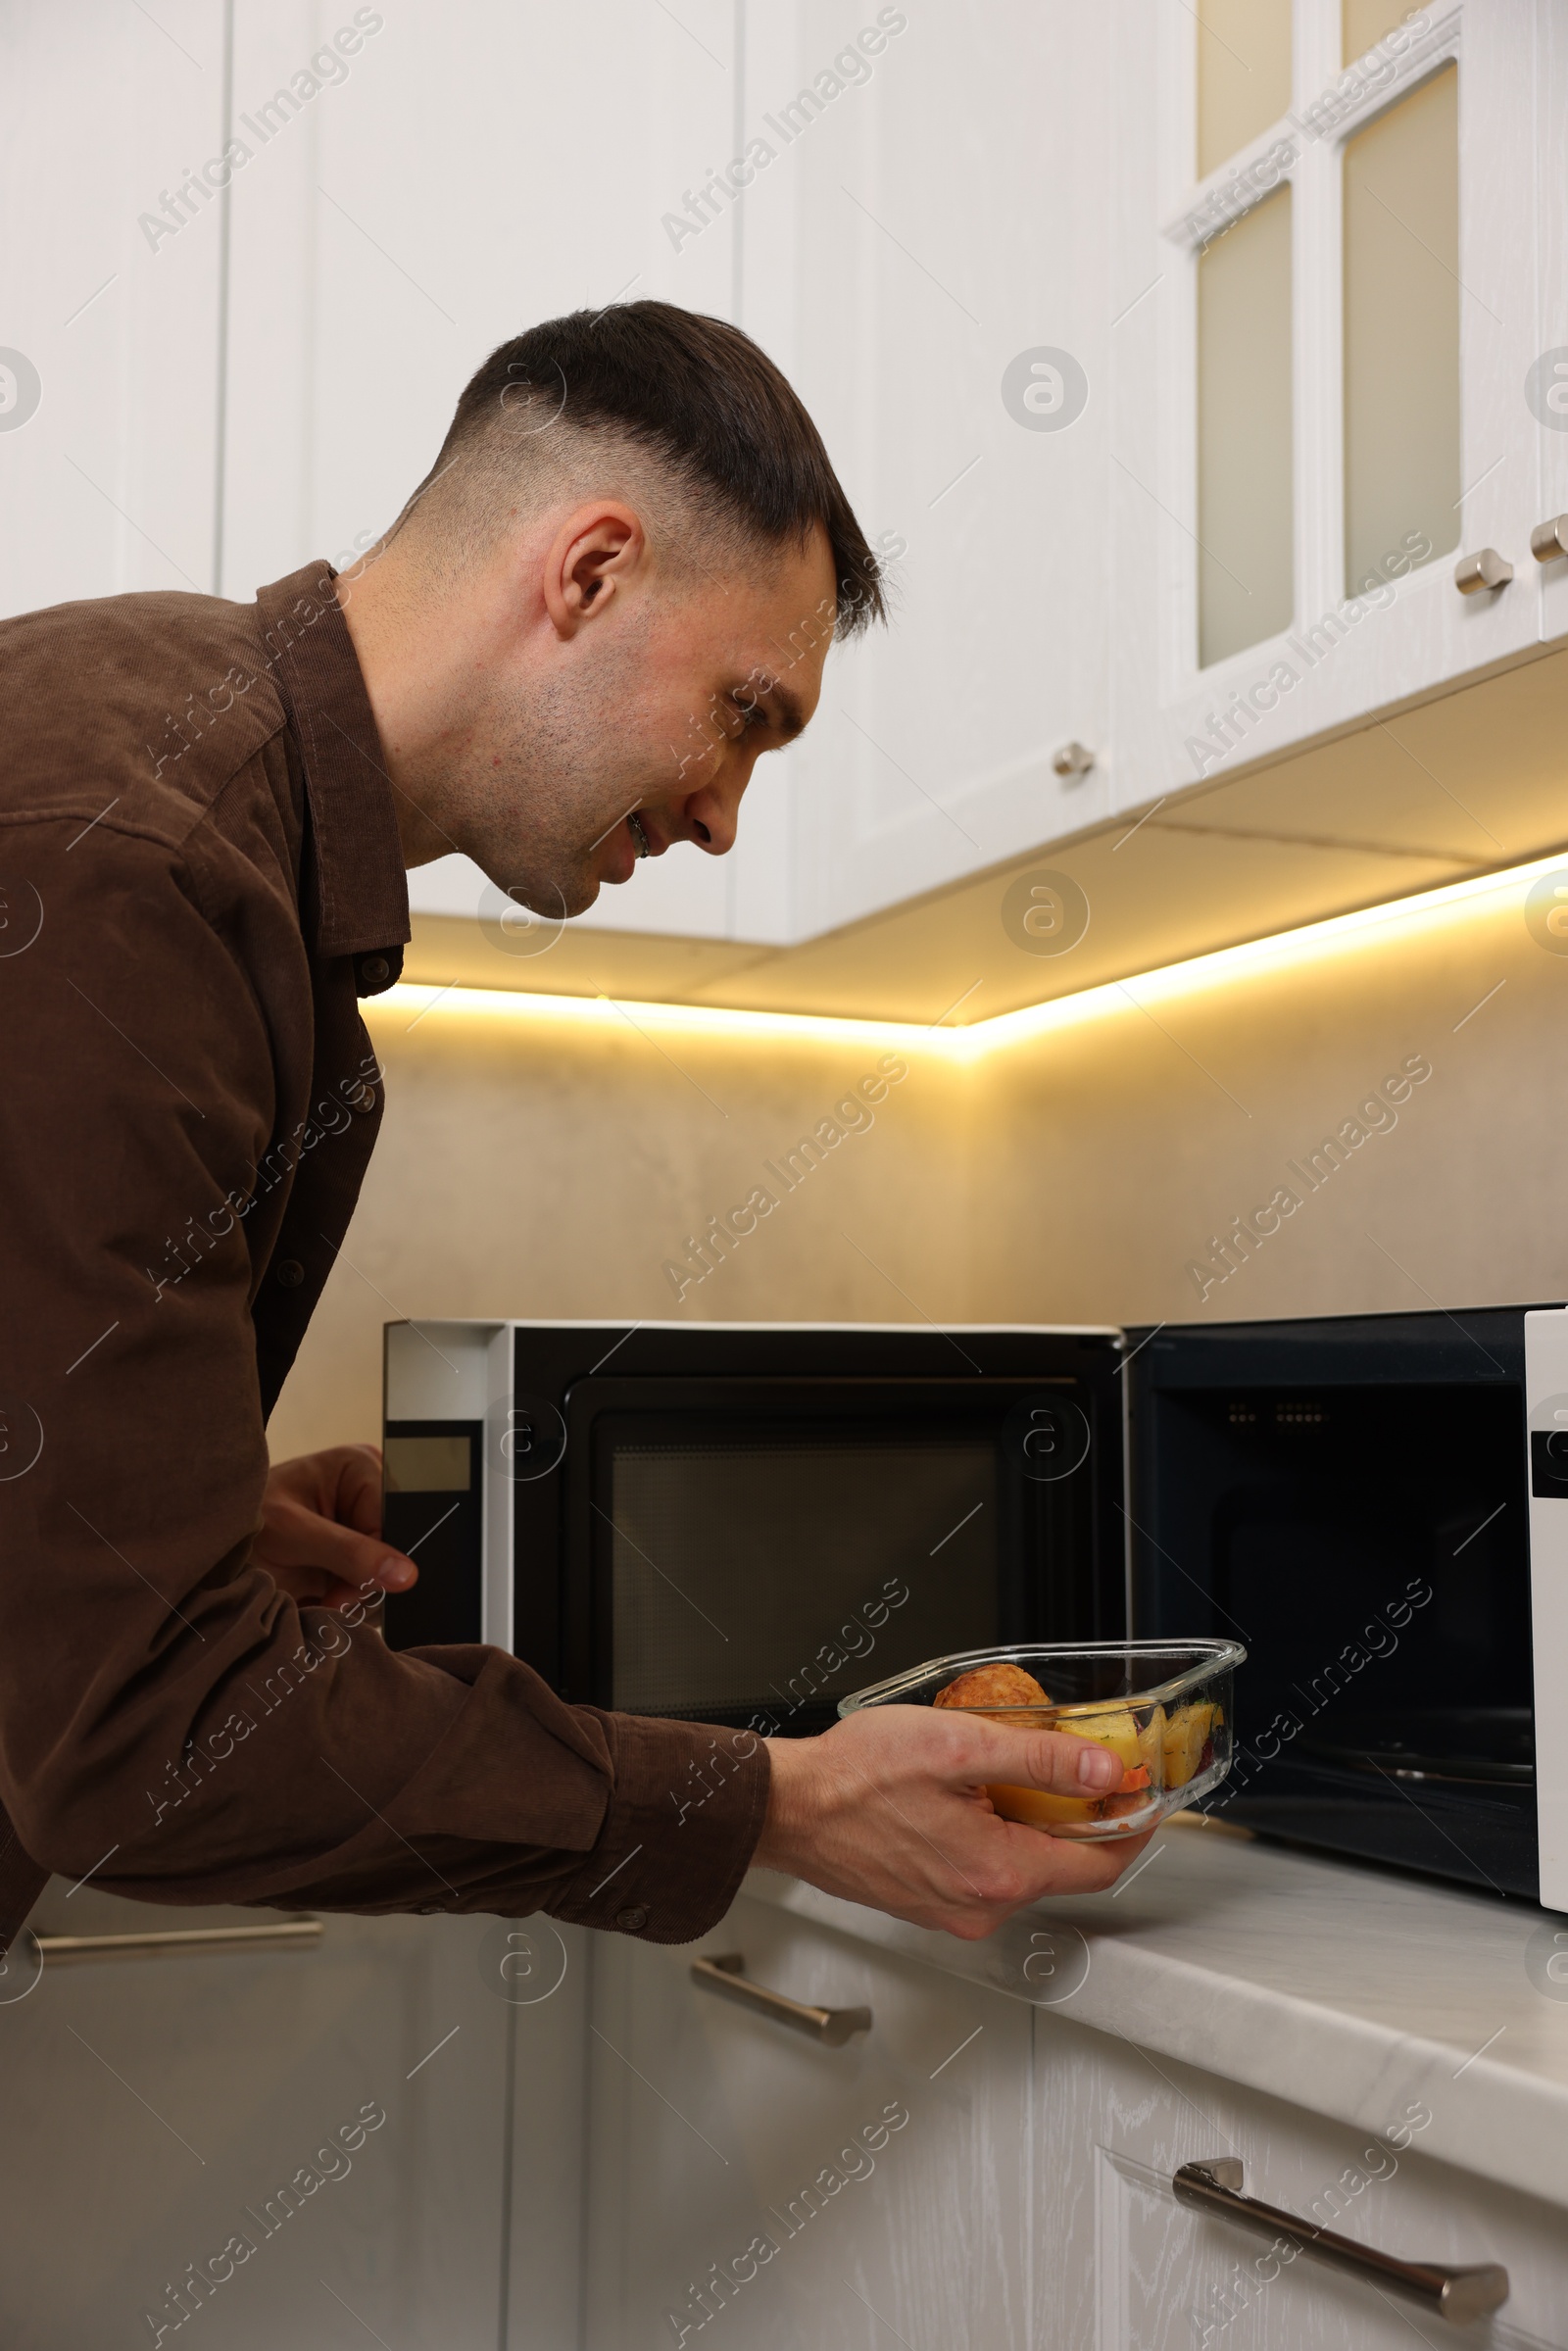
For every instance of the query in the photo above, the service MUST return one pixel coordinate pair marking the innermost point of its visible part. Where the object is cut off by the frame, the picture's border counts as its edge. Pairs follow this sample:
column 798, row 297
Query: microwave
column 741, row 1523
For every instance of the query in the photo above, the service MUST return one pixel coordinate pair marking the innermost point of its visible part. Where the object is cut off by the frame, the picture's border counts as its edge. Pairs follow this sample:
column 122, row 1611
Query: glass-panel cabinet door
column 1243, row 75
column 1245, row 503
column 1402, row 485
column 1325, row 402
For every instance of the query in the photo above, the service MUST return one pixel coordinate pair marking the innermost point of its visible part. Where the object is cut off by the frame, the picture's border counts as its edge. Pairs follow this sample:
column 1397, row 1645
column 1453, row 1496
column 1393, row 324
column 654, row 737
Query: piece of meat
column 998, row 1685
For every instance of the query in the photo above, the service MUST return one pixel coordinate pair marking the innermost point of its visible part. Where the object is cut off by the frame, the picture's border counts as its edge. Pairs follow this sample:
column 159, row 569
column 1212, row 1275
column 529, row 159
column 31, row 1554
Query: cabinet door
column 952, row 334
column 453, row 180
column 1393, row 325
column 310, row 2146
column 813, row 2195
column 1549, row 376
column 1121, row 2266
column 111, row 165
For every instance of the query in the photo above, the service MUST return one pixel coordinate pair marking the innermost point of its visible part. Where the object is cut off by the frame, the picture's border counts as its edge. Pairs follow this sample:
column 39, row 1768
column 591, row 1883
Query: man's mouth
column 638, row 839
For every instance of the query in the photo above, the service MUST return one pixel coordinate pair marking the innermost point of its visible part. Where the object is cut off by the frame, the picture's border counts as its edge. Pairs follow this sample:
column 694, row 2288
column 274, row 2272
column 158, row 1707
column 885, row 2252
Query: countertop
column 1349, row 1991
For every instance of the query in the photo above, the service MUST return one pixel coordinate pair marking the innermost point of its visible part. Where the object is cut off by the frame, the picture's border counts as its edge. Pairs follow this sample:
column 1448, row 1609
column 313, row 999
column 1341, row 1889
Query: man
column 615, row 590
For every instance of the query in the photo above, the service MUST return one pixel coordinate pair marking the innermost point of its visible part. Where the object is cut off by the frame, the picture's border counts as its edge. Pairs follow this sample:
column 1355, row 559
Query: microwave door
column 561, row 1487
column 727, row 1537
column 1546, row 1415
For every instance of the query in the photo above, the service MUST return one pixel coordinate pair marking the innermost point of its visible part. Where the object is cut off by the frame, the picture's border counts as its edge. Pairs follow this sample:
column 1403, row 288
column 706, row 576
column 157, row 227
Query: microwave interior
column 1367, row 1538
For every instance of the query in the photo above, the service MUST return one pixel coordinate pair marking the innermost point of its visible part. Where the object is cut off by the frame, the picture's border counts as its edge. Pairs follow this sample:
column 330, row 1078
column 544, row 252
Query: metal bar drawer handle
column 726, row 1976
column 1457, row 2296
column 181, row 1943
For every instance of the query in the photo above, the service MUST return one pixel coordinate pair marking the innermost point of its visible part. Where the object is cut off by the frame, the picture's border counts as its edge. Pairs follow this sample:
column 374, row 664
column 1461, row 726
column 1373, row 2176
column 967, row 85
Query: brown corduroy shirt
column 199, row 876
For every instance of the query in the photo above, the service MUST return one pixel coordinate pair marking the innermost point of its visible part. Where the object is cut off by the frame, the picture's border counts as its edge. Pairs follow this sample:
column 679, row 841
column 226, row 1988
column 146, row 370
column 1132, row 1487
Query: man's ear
column 596, row 550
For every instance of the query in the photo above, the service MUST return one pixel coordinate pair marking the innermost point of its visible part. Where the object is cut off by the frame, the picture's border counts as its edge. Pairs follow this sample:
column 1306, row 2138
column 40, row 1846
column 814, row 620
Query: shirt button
column 288, row 1273
column 374, row 970
column 631, row 1920
column 366, row 1101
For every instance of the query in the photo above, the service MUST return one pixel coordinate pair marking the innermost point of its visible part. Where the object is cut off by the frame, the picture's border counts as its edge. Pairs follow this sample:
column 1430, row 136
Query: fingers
column 1071, row 1866
column 998, row 1753
column 1070, row 1766
column 1035, row 1868
column 359, row 1489
column 295, row 1536
column 341, row 1481
column 361, row 1559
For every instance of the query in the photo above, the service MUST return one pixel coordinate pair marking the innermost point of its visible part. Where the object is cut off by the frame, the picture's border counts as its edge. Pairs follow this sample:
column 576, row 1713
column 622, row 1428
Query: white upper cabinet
column 1329, row 399
column 925, row 212
column 110, row 170
column 448, row 180
column 1172, row 357
column 422, row 185
column 951, row 332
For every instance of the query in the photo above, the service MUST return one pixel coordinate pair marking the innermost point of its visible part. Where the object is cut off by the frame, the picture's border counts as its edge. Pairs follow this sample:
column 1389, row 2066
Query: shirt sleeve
column 170, row 1720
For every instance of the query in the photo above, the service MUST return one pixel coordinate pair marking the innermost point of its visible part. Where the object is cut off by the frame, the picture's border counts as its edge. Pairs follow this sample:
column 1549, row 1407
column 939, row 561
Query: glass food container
column 1162, row 1706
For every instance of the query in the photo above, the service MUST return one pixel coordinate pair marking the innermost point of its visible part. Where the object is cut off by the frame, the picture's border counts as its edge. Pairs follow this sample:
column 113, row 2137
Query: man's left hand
column 321, row 1532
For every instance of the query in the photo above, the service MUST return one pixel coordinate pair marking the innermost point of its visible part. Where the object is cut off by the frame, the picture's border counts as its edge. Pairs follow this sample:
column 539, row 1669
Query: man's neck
column 393, row 629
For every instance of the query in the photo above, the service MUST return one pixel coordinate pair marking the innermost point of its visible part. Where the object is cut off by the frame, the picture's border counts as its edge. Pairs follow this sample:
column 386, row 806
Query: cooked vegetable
column 1189, row 1741
column 1138, row 1745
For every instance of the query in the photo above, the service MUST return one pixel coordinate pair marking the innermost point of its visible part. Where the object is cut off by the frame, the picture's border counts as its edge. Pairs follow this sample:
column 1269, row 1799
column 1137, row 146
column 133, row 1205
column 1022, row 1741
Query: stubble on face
column 552, row 769
column 640, row 713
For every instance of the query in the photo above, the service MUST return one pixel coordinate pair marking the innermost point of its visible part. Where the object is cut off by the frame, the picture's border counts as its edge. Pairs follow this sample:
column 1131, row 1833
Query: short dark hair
column 708, row 403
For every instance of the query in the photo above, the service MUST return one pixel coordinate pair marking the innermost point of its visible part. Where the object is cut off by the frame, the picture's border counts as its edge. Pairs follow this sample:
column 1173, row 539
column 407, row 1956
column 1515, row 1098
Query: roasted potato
column 1189, row 1741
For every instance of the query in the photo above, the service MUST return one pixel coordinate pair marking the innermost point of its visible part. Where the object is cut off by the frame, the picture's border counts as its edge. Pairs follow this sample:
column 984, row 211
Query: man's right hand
column 889, row 1808
column 321, row 1533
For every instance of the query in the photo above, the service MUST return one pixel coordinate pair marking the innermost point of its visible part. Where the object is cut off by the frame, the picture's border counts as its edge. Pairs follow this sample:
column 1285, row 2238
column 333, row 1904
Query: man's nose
column 713, row 813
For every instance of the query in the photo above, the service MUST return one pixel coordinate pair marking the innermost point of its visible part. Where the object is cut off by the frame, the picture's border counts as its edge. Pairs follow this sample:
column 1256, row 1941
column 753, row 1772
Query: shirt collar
column 362, row 895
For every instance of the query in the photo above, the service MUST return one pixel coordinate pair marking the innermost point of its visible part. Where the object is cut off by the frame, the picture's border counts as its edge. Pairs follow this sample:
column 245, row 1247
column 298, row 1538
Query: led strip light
column 1425, row 909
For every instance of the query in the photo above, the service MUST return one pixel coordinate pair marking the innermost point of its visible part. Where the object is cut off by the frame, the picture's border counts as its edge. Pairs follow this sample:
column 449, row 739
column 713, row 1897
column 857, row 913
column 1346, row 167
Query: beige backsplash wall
column 1106, row 1158
column 536, row 1167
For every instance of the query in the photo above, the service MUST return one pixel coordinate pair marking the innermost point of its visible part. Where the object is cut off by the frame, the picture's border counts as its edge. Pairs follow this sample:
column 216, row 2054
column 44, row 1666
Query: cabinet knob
column 1070, row 761
column 1549, row 540
column 1456, row 2294
column 1488, row 569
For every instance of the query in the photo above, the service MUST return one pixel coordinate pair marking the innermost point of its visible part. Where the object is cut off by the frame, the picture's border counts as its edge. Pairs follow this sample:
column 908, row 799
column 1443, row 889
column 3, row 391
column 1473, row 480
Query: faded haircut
column 720, row 423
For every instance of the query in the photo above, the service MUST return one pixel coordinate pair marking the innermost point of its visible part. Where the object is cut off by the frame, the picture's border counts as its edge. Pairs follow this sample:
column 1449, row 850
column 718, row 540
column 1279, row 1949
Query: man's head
column 613, row 590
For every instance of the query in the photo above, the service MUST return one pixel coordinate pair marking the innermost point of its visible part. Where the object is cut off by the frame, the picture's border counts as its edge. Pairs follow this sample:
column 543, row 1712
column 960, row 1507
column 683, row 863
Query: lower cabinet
column 973, row 2173
column 1121, row 2266
column 372, row 2138
column 473, row 2134
column 750, row 2186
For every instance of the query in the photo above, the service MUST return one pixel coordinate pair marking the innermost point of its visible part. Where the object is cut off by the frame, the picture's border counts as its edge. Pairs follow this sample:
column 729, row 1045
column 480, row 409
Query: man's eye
column 750, row 714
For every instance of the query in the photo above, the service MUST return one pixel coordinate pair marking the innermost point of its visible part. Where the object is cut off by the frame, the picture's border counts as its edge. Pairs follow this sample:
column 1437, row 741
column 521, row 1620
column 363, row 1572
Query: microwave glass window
column 426, row 1464
column 770, row 1577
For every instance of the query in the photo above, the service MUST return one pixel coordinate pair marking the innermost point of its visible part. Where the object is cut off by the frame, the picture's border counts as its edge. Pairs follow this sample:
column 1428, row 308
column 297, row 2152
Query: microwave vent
column 1243, row 1416
column 1299, row 1416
